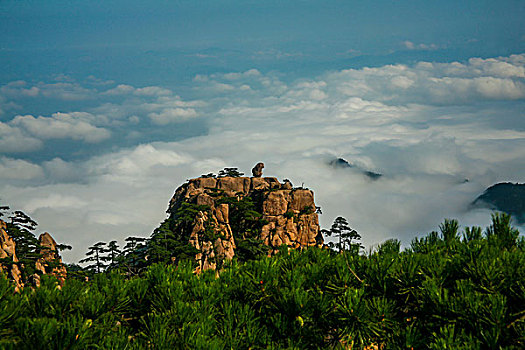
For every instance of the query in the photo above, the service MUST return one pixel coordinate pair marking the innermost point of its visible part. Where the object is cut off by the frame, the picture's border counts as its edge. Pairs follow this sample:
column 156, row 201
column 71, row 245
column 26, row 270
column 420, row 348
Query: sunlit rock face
column 50, row 255
column 8, row 254
column 49, row 262
column 287, row 215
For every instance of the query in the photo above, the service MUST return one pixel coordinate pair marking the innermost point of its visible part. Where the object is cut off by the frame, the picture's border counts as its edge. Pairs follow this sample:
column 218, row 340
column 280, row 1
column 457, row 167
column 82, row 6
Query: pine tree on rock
column 231, row 172
column 20, row 227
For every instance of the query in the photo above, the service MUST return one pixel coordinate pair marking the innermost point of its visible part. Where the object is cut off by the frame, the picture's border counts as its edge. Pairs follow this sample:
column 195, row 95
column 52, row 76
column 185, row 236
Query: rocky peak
column 7, row 244
column 48, row 263
column 285, row 215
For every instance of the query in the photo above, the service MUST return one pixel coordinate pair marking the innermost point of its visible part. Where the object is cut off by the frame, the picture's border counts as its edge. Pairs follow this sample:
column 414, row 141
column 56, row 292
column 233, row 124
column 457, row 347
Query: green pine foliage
column 347, row 237
column 231, row 172
column 448, row 290
column 20, row 227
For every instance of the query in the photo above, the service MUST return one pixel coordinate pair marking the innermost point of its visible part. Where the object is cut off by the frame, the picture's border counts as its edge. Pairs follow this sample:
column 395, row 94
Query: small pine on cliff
column 214, row 219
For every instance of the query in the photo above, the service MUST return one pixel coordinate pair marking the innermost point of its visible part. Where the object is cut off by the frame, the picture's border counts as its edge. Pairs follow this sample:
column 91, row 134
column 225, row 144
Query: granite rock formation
column 287, row 215
column 48, row 263
column 257, row 170
column 8, row 255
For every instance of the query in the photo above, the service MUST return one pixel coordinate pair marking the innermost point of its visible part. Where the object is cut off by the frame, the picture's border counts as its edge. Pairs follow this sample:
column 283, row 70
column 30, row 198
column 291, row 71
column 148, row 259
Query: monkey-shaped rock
column 258, row 170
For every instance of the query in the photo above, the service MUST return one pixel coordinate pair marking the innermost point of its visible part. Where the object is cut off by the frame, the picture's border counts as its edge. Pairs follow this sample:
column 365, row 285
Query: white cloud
column 411, row 46
column 426, row 127
column 60, row 171
column 164, row 102
column 275, row 54
column 172, row 115
column 502, row 68
column 134, row 119
column 19, row 89
column 152, row 91
column 235, row 76
column 65, row 91
column 148, row 91
column 436, row 83
column 55, row 201
column 18, row 169
column 13, row 140
column 121, row 89
column 62, row 126
column 135, row 165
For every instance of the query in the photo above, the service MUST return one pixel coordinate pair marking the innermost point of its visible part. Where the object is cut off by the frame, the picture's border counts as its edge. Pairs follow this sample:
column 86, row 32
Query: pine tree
column 20, row 227
column 167, row 244
column 134, row 254
column 501, row 232
column 232, row 172
column 95, row 256
column 345, row 234
column 114, row 253
column 449, row 230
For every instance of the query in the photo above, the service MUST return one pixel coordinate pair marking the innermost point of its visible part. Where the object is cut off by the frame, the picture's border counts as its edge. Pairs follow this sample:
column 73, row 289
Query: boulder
column 258, row 170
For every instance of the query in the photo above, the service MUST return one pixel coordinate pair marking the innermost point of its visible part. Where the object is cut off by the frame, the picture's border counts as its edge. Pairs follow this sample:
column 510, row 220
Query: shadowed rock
column 258, row 170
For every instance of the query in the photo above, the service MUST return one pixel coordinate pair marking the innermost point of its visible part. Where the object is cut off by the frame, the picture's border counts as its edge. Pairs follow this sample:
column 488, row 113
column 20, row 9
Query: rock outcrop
column 257, row 170
column 287, row 215
column 49, row 262
column 8, row 256
column 506, row 197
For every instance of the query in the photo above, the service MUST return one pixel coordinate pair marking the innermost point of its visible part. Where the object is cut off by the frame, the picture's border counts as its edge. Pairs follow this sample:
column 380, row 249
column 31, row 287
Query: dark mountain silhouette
column 506, row 197
column 341, row 163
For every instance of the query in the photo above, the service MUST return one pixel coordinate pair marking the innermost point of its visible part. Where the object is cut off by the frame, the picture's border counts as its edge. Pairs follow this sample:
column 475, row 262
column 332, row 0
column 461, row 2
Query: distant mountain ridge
column 506, row 197
column 341, row 163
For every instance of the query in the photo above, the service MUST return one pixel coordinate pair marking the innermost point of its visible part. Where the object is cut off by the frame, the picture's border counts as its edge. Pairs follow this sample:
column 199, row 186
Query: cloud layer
column 439, row 132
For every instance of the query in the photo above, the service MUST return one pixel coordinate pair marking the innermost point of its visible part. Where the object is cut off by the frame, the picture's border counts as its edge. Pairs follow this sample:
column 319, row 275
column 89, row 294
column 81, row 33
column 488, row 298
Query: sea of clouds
column 106, row 167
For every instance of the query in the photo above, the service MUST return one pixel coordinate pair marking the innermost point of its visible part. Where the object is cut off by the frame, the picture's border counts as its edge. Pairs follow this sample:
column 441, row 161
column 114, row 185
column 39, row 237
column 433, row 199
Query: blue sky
column 107, row 106
column 141, row 42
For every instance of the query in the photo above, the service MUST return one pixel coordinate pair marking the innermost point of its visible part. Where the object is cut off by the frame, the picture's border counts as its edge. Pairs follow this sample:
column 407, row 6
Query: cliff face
column 8, row 253
column 286, row 215
column 50, row 256
column 48, row 263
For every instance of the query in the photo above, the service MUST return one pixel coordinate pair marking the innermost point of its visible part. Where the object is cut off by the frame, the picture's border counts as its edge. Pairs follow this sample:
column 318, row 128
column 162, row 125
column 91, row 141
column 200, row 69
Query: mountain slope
column 506, row 197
